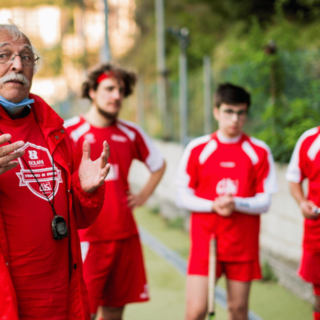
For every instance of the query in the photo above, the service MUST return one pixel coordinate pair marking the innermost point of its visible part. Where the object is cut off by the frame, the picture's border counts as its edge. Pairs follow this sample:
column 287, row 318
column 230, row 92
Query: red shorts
column 114, row 272
column 239, row 271
column 310, row 270
column 234, row 270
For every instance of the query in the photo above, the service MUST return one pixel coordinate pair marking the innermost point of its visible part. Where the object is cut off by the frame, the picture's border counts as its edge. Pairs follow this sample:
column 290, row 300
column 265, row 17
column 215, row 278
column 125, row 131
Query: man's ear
column 216, row 113
column 92, row 94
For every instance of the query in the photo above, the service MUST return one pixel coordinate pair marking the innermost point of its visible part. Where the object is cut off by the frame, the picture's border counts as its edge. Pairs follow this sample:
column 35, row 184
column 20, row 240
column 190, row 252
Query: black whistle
column 59, row 228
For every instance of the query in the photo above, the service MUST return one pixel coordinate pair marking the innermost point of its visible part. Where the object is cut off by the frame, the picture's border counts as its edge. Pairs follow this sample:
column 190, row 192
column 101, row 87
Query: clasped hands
column 223, row 205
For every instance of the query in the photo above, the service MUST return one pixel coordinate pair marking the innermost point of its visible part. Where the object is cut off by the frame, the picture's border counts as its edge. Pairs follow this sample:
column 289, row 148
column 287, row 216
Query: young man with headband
column 113, row 263
column 226, row 179
column 305, row 164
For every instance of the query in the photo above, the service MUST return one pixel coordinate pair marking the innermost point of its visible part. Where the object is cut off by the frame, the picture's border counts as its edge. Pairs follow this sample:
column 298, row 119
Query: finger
column 86, row 150
column 10, row 148
column 10, row 157
column 105, row 154
column 9, row 166
column 5, row 138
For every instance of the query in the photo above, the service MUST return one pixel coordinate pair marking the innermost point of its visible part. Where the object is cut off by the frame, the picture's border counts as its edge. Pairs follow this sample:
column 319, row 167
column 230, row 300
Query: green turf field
column 269, row 300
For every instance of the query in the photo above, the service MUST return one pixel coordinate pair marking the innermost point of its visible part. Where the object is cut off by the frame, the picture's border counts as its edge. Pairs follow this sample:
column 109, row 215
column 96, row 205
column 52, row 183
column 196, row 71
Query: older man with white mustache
column 43, row 199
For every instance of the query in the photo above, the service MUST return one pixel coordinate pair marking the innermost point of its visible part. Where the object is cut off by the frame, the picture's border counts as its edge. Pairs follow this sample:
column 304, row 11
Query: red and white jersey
column 127, row 142
column 305, row 163
column 39, row 265
column 211, row 167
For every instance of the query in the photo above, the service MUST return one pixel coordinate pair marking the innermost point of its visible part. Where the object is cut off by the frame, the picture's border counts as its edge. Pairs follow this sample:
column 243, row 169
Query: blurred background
column 181, row 50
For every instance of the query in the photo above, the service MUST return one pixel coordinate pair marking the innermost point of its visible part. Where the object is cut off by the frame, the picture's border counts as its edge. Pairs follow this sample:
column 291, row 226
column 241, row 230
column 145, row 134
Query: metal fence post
column 207, row 95
column 140, row 103
column 183, row 96
column 161, row 66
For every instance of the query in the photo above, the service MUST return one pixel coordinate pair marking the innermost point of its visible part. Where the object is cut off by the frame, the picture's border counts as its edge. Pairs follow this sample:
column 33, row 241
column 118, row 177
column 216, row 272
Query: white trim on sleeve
column 293, row 172
column 270, row 184
column 185, row 197
column 258, row 204
column 155, row 159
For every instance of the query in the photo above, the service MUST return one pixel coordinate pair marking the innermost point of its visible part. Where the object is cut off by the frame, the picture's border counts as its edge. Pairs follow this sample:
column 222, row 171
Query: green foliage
column 291, row 124
column 285, row 86
column 176, row 223
column 268, row 275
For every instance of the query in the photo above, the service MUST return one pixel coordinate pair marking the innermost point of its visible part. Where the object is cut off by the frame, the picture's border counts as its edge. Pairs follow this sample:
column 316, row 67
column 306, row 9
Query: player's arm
column 305, row 205
column 186, row 181
column 296, row 174
column 137, row 200
column 258, row 204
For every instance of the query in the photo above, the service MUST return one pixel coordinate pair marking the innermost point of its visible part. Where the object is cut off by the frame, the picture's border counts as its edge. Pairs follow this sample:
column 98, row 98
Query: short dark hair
column 230, row 94
column 129, row 79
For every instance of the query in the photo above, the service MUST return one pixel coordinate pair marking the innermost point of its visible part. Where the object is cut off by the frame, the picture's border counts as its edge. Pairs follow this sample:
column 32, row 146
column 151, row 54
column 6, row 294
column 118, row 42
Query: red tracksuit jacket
column 83, row 210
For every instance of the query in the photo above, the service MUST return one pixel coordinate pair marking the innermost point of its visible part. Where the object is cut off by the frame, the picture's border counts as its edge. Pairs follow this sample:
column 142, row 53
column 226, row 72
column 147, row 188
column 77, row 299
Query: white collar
column 227, row 140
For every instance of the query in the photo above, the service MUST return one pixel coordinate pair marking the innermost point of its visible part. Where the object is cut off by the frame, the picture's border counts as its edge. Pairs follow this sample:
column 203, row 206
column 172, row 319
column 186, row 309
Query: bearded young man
column 226, row 179
column 43, row 200
column 113, row 262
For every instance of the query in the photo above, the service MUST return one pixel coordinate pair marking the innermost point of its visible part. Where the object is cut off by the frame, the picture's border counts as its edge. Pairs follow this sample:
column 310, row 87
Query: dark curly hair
column 129, row 79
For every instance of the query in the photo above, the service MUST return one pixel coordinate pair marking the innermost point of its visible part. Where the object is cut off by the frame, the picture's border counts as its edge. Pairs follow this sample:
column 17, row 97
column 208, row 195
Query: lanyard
column 40, row 186
column 58, row 224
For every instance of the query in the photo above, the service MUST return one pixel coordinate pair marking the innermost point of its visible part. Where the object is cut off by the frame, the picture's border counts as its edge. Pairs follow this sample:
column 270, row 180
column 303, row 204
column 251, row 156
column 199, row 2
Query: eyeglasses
column 241, row 114
column 28, row 59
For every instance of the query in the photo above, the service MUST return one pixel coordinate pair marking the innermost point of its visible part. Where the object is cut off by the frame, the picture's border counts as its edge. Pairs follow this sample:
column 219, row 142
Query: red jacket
column 83, row 210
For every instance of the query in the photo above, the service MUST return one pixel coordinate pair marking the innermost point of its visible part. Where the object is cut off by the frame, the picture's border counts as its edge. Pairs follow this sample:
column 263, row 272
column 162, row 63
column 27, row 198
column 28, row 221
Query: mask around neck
column 12, row 107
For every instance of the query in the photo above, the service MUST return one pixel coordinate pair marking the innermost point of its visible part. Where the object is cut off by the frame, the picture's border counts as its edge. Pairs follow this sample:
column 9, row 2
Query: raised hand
column 8, row 153
column 93, row 173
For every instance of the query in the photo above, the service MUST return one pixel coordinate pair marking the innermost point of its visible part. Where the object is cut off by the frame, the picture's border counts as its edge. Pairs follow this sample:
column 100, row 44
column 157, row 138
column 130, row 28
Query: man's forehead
column 234, row 106
column 112, row 81
column 6, row 39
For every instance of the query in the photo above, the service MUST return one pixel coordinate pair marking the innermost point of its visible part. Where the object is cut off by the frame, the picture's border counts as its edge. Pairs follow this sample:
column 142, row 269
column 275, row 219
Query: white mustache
column 15, row 76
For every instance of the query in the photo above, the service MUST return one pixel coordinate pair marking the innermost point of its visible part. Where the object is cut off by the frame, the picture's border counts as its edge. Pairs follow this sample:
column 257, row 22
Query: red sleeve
column 87, row 206
column 265, row 174
column 147, row 152
column 8, row 301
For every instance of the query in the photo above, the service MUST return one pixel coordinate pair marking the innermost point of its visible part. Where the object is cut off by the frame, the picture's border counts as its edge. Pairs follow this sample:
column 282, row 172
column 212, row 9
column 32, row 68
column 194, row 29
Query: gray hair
column 14, row 30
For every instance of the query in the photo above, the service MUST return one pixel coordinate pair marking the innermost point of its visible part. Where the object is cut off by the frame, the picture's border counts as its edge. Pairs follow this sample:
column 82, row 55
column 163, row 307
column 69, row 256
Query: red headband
column 104, row 76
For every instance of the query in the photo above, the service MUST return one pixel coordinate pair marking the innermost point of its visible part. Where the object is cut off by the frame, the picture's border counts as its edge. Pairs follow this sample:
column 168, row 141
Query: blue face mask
column 13, row 108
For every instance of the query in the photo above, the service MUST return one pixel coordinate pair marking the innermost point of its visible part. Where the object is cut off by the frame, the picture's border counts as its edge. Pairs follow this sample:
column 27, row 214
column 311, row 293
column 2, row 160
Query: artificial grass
column 269, row 300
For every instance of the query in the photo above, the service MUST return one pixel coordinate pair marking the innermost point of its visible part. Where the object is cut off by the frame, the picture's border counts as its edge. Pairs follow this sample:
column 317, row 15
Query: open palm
column 93, row 173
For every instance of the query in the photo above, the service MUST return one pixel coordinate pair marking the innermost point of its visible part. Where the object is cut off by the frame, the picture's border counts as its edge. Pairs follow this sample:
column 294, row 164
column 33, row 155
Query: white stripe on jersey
column 314, row 148
column 293, row 171
column 246, row 147
column 71, row 122
column 131, row 134
column 155, row 159
column 80, row 131
column 185, row 196
column 207, row 151
column 270, row 184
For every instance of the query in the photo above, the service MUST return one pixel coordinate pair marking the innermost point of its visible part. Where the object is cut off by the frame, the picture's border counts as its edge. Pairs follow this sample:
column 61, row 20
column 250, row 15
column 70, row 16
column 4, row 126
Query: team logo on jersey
column 39, row 161
column 90, row 137
column 227, row 164
column 227, row 186
column 116, row 137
